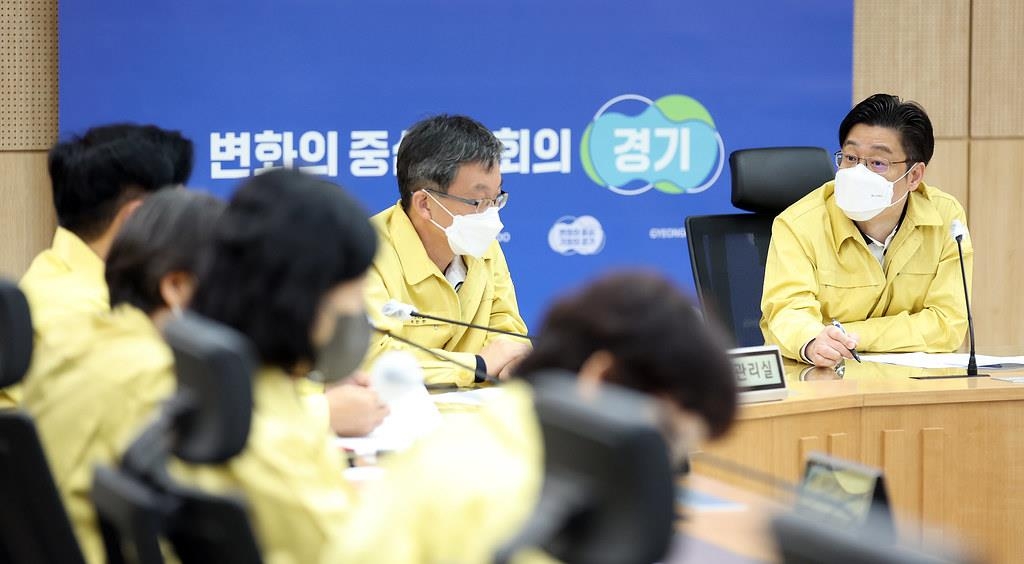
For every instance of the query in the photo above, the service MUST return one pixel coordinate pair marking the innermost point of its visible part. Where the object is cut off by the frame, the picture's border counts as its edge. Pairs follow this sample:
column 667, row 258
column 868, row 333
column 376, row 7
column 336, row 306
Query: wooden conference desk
column 952, row 449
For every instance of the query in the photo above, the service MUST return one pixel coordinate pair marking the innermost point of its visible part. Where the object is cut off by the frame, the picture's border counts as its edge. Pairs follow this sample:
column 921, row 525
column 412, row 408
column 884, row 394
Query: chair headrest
column 214, row 366
column 15, row 334
column 770, row 180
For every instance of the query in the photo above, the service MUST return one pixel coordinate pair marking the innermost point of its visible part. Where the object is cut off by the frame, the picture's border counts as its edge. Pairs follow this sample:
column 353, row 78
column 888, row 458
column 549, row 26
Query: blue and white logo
column 671, row 145
column 572, row 235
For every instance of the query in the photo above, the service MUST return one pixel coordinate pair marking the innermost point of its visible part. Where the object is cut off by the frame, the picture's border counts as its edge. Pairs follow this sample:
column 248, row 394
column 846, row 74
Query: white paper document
column 398, row 380
column 946, row 360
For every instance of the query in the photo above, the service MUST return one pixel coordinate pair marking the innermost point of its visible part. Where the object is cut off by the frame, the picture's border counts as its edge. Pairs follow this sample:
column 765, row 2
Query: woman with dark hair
column 98, row 377
column 286, row 269
column 459, row 494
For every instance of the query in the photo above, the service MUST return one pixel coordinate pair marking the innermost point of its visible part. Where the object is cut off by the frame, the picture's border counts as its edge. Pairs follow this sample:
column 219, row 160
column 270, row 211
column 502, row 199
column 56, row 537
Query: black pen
column 837, row 325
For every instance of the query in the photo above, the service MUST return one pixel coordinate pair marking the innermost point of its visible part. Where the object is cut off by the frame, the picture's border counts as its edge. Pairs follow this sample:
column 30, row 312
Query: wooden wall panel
column 26, row 214
column 948, row 169
column 997, row 68
column 919, row 51
column 28, row 127
column 28, row 74
column 997, row 202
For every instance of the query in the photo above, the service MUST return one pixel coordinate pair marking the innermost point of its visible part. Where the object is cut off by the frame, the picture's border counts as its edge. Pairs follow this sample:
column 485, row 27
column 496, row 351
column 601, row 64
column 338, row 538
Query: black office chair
column 34, row 527
column 728, row 252
column 609, row 490
column 205, row 422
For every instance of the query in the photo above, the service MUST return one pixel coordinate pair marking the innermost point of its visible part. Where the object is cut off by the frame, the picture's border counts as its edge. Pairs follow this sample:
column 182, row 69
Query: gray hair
column 433, row 150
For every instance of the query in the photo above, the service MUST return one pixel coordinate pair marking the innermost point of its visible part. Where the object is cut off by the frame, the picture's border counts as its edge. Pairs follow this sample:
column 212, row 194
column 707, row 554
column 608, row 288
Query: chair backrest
column 769, row 180
column 206, row 421
column 15, row 334
column 609, row 490
column 727, row 255
column 728, row 252
column 215, row 366
column 34, row 526
column 131, row 516
column 212, row 528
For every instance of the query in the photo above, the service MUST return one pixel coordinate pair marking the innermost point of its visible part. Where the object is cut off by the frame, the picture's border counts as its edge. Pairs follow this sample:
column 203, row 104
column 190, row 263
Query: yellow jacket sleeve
column 505, row 307
column 789, row 304
column 289, row 473
column 443, row 502
column 435, row 369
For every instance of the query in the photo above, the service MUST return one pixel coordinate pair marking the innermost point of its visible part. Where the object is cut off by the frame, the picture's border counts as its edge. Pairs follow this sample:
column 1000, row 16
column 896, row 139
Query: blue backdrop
column 617, row 116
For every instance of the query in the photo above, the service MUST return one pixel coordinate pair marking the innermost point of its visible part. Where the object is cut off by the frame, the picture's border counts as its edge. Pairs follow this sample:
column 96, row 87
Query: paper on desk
column 945, row 360
column 476, row 397
column 398, row 380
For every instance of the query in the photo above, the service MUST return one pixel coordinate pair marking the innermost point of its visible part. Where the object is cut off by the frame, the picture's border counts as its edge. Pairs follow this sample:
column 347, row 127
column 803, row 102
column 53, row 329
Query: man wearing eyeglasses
column 439, row 253
column 871, row 250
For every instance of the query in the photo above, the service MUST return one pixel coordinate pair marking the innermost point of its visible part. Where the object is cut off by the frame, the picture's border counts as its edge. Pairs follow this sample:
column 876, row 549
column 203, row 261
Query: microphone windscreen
column 397, row 310
column 957, row 229
column 395, row 375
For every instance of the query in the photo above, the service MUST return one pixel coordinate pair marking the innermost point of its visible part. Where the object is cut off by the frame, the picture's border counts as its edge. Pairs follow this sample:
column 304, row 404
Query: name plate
column 759, row 373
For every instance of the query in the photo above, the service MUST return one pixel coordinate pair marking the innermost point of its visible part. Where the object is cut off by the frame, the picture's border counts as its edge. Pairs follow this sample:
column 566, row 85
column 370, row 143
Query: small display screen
column 842, row 495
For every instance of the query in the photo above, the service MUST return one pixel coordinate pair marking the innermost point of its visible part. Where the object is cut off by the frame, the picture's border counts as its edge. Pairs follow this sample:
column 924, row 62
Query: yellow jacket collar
column 920, row 211
column 77, row 255
column 416, row 264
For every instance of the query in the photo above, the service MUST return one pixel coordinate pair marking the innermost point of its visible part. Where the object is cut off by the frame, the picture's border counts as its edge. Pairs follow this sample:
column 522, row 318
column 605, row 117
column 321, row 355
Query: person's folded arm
column 504, row 306
column 435, row 370
column 789, row 302
column 941, row 324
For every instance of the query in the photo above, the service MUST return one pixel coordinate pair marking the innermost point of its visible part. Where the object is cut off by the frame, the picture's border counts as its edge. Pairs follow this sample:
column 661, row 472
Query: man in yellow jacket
column 438, row 252
column 871, row 249
column 98, row 180
column 99, row 377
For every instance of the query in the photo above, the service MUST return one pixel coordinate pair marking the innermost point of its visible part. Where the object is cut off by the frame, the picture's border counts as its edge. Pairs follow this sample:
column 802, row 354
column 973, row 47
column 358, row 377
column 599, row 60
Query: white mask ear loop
column 907, row 193
column 438, row 202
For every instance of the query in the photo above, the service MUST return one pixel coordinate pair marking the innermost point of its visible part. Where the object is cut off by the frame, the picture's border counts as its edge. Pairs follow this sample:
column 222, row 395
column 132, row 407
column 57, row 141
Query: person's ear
column 123, row 213
column 916, row 175
column 176, row 289
column 594, row 371
column 420, row 205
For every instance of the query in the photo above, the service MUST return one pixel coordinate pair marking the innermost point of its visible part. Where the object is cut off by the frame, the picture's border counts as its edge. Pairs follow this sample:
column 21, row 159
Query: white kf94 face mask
column 863, row 194
column 470, row 234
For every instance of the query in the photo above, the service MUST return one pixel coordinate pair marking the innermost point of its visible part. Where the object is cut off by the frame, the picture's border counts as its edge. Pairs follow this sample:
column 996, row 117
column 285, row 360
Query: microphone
column 404, row 312
column 478, row 374
column 957, row 231
column 396, row 375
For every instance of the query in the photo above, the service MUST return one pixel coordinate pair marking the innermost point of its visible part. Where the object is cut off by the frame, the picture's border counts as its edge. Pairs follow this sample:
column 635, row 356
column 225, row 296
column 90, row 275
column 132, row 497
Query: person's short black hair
column 433, row 150
column 92, row 179
column 178, row 148
column 166, row 234
column 284, row 241
column 659, row 343
column 908, row 119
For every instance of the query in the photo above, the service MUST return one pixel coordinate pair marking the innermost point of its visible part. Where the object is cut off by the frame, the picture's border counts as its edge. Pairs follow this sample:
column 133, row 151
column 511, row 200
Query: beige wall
column 28, row 126
column 962, row 59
